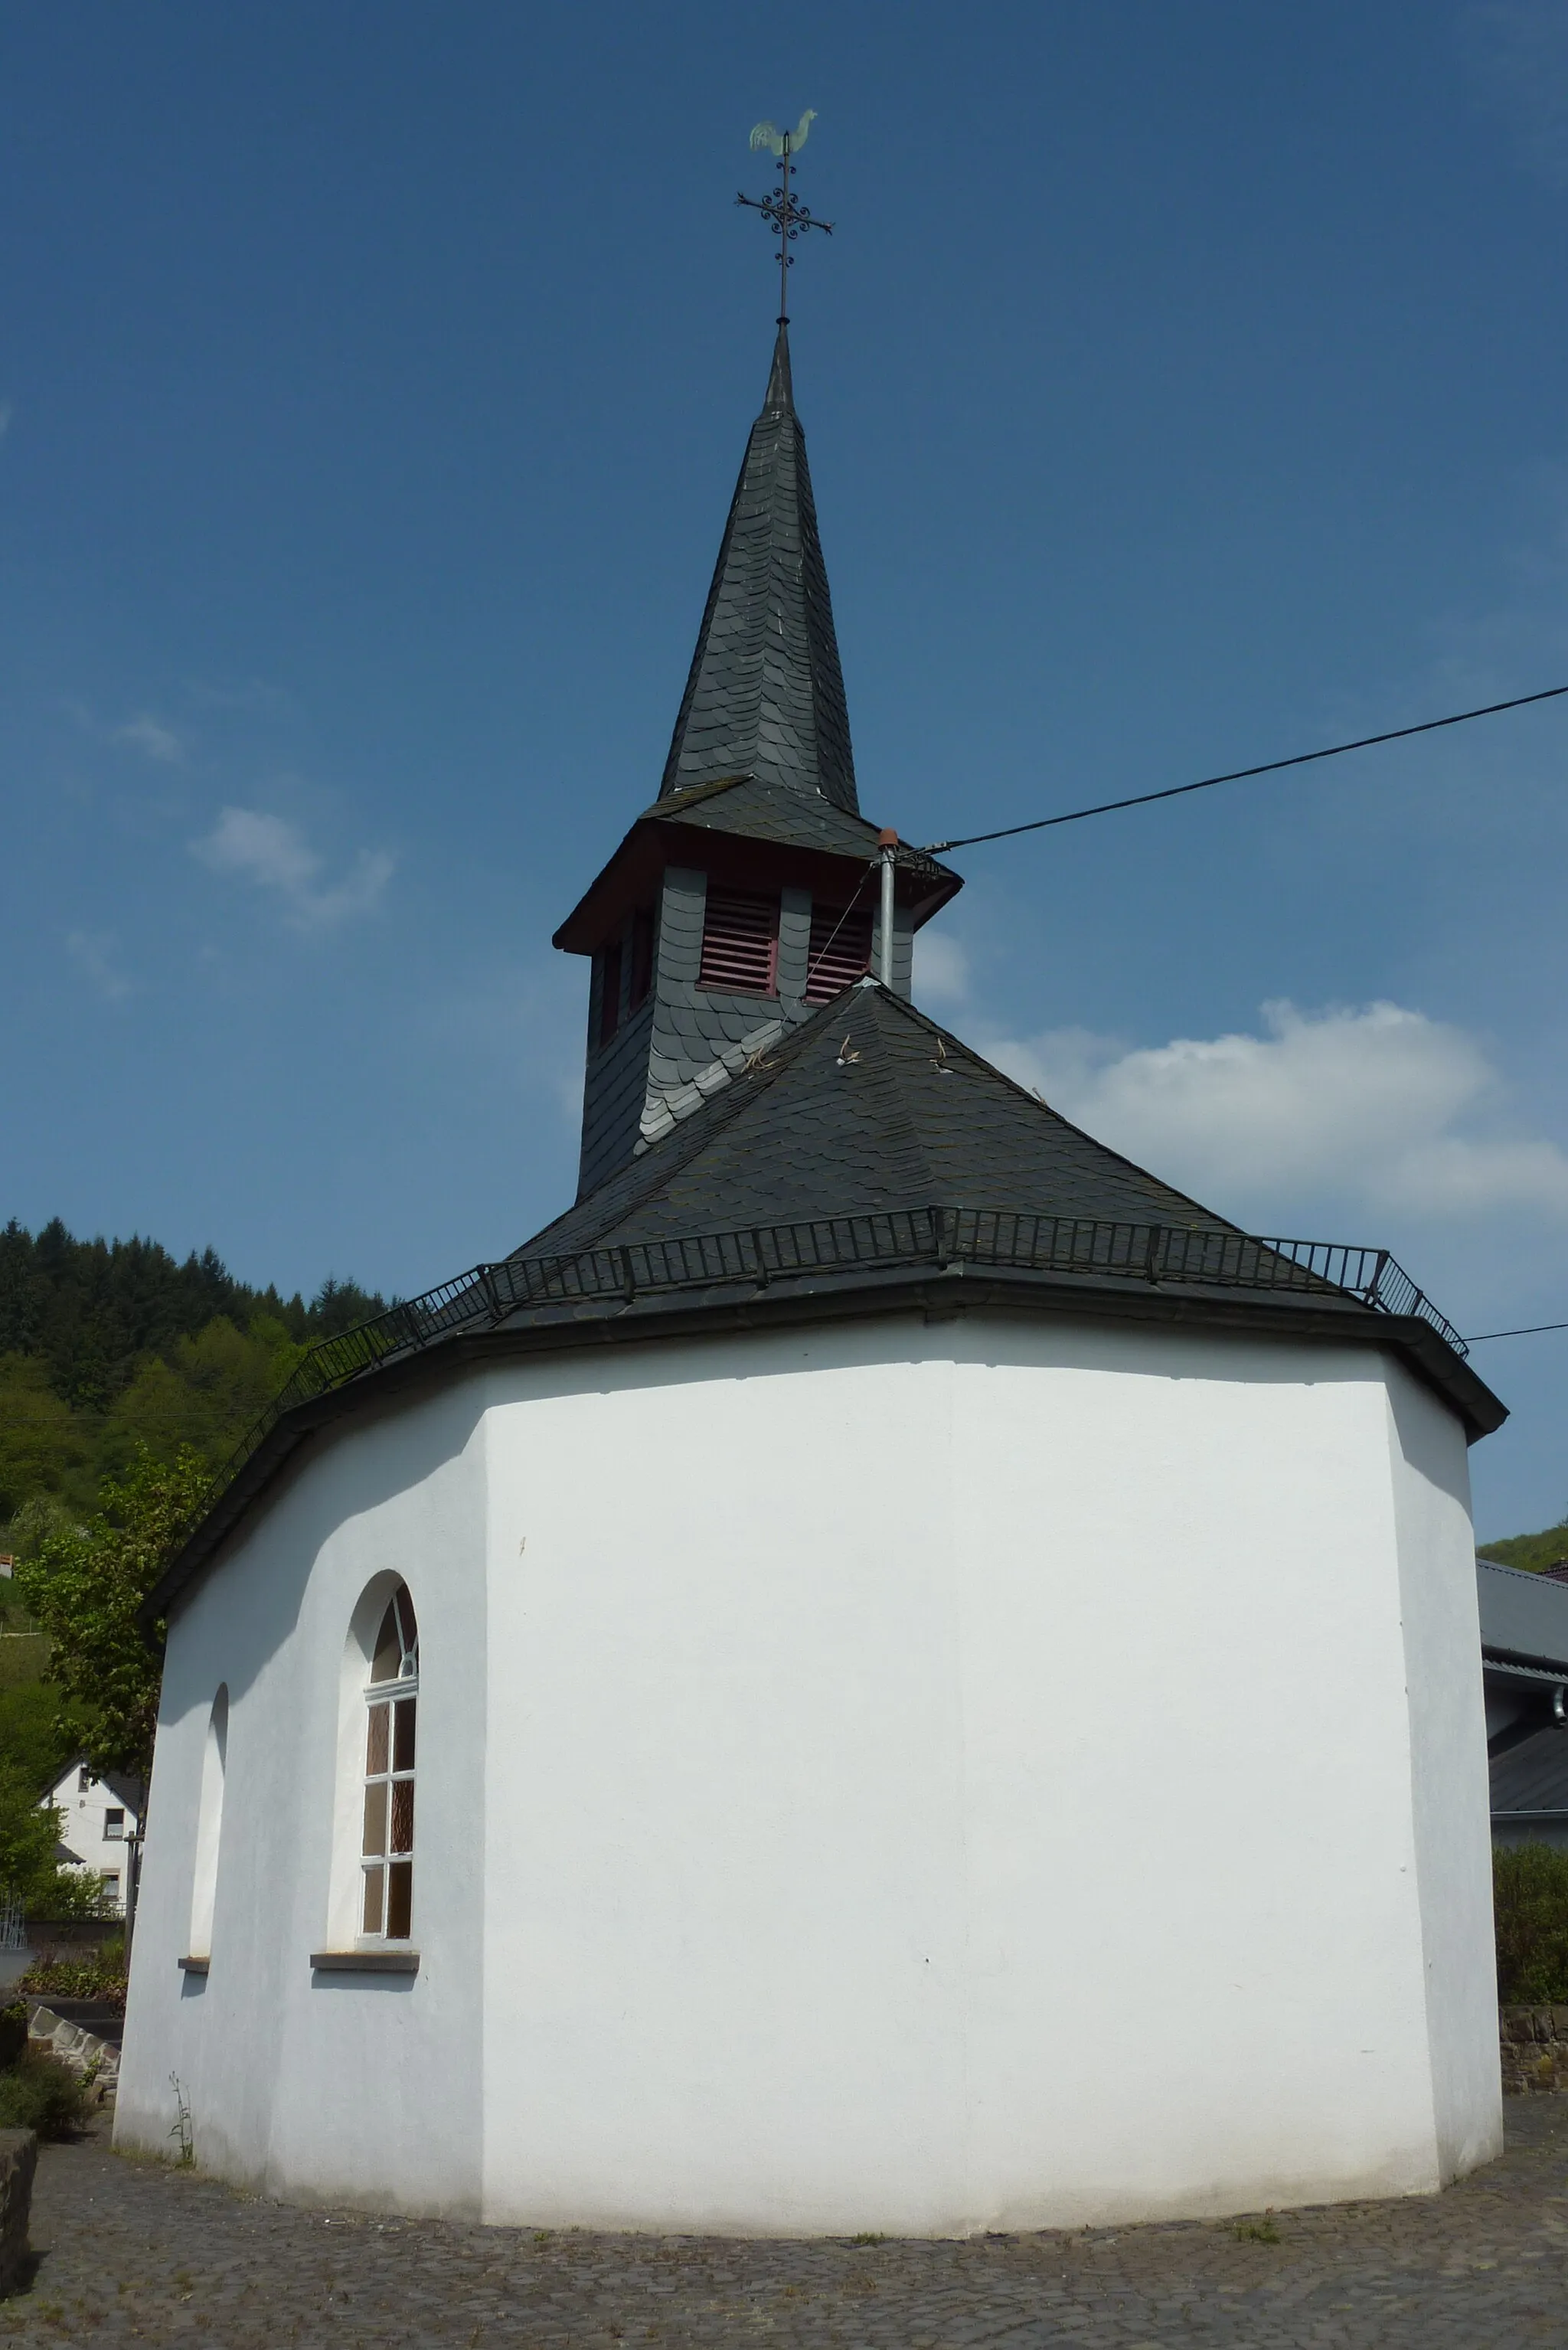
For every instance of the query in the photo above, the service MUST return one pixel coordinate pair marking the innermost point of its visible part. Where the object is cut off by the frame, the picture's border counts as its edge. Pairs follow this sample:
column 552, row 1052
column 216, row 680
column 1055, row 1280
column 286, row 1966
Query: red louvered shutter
column 831, row 968
column 739, row 944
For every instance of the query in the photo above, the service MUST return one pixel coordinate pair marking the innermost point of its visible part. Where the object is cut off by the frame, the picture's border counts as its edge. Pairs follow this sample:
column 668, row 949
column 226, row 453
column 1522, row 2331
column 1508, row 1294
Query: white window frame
column 380, row 1865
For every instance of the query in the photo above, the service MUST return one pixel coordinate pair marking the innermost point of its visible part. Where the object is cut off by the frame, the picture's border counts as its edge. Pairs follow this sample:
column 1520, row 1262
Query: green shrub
column 96, row 1974
column 1530, row 1901
column 39, row 2092
column 13, row 2032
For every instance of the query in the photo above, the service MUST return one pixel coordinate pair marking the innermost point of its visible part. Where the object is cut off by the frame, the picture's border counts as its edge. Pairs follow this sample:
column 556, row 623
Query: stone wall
column 18, row 2160
column 1534, row 2049
column 92, row 2059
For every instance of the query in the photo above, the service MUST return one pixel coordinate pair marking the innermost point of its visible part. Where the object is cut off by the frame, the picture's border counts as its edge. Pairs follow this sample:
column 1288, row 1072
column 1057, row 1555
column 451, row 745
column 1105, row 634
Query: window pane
column 376, row 1818
column 375, row 1740
column 388, row 1650
column 403, row 1815
column 409, row 1628
column 372, row 1901
column 403, row 1734
column 400, row 1899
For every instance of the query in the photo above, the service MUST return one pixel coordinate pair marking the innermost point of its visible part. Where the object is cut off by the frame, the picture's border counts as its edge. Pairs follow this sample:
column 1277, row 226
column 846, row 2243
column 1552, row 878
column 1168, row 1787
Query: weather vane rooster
column 788, row 219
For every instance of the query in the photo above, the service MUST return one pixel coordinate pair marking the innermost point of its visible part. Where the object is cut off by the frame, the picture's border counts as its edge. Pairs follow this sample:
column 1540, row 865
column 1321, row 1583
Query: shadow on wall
column 399, row 1445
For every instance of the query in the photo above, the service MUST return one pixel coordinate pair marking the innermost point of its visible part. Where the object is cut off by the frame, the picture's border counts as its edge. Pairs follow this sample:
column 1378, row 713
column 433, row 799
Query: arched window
column 391, row 1704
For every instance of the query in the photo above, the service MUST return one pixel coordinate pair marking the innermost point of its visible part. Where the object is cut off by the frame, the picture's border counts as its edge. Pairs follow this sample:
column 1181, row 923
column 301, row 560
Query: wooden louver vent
column 832, row 967
column 739, row 944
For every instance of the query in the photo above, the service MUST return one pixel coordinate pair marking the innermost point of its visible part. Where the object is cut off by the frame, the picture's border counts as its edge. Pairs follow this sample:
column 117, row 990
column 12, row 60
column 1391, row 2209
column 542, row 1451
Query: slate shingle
column 765, row 692
column 904, row 1126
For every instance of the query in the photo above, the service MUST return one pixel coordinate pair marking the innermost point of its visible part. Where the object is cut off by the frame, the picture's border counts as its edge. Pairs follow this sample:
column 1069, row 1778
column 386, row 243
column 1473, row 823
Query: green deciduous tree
column 204, row 1393
column 28, row 1834
column 84, row 1587
column 44, row 1448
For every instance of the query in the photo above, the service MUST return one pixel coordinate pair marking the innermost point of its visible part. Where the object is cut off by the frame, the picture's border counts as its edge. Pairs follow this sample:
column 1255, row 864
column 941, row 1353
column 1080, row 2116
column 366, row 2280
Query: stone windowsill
column 193, row 1966
column 381, row 1961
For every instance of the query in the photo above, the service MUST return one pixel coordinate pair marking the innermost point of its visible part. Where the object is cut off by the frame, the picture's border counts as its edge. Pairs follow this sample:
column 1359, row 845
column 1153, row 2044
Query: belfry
column 744, row 896
column 888, row 1671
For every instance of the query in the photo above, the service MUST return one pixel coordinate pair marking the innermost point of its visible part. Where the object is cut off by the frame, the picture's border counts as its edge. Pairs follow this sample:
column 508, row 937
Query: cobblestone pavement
column 133, row 2251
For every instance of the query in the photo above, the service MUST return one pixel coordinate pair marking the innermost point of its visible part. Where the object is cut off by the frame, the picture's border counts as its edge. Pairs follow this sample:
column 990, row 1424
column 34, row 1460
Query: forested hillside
column 108, row 1343
column 1535, row 1552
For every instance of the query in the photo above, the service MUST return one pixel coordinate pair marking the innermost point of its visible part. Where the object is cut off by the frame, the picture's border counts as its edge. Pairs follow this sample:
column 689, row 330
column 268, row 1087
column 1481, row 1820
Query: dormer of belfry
column 748, row 893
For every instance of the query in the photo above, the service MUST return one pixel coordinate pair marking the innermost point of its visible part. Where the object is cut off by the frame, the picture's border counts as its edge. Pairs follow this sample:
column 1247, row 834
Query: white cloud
column 1376, row 1105
column 942, row 969
column 149, row 734
column 93, row 951
column 275, row 854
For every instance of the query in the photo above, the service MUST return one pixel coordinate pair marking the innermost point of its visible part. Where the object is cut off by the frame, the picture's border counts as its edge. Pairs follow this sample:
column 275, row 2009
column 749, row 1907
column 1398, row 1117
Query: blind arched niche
column 210, row 1826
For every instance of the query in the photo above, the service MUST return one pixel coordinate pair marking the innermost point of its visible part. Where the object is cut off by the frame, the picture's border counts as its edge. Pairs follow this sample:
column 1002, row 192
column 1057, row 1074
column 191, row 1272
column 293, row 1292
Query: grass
column 1258, row 2231
column 23, row 1656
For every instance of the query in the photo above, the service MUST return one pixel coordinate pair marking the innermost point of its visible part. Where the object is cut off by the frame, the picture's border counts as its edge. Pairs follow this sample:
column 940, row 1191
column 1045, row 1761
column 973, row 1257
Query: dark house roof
column 868, row 1106
column 765, row 694
column 868, row 1164
column 1531, row 1777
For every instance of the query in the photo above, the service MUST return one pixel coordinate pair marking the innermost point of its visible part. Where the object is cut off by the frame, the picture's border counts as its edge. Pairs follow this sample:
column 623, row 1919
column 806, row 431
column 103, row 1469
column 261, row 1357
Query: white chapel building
column 888, row 1671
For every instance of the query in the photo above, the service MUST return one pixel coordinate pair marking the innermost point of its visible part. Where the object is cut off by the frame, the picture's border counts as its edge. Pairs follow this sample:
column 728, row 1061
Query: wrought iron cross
column 788, row 219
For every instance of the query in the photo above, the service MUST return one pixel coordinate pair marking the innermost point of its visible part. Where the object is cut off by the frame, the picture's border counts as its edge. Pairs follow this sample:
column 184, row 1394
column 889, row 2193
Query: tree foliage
column 1533, row 1552
column 95, row 1311
column 106, row 1344
column 127, row 1380
column 43, row 1446
column 84, row 1587
column 1530, row 1912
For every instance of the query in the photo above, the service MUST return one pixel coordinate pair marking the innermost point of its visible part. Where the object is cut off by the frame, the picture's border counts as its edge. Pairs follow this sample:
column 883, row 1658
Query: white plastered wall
column 344, row 2087
column 964, row 1778
column 1450, row 1806
column 937, row 1777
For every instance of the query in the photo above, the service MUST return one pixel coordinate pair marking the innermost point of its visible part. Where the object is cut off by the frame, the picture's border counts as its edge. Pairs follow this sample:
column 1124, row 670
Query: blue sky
column 1184, row 387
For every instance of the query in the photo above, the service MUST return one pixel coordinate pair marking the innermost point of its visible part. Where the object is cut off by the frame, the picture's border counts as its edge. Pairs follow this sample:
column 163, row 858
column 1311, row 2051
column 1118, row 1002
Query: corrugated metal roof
column 1523, row 1615
column 1533, row 1775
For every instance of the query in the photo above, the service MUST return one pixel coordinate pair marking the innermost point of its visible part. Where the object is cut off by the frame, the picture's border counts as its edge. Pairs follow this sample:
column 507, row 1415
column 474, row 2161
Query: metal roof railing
column 598, row 1280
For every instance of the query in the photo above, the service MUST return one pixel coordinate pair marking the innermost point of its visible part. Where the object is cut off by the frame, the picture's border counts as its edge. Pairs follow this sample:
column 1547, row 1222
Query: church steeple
column 745, row 896
column 765, row 694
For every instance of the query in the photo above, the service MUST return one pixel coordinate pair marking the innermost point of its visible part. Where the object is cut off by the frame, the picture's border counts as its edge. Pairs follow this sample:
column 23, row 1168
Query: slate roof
column 764, row 809
column 866, row 1111
column 916, row 1118
column 765, row 694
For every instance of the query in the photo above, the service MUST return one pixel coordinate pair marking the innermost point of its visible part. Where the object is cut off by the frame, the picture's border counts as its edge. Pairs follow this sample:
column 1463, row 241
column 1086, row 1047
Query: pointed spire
column 781, row 387
column 765, row 695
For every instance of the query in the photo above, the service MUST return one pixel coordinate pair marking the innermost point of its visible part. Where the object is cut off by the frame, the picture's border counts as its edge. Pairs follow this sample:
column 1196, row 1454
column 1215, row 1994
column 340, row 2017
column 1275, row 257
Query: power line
column 1531, row 1330
column 1241, row 775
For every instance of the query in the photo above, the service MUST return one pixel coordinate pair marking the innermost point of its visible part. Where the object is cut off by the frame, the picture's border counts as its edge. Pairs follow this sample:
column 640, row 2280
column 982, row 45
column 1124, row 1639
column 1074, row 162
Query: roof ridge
column 1037, row 1101
column 669, row 1152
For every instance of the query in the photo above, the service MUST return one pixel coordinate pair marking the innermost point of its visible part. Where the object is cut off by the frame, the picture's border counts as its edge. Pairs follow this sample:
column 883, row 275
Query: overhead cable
column 1531, row 1330
column 1241, row 775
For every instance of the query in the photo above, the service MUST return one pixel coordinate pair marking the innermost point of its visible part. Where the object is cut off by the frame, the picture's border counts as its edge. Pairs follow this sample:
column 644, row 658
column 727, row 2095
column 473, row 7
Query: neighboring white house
column 888, row 1671
column 98, row 1820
